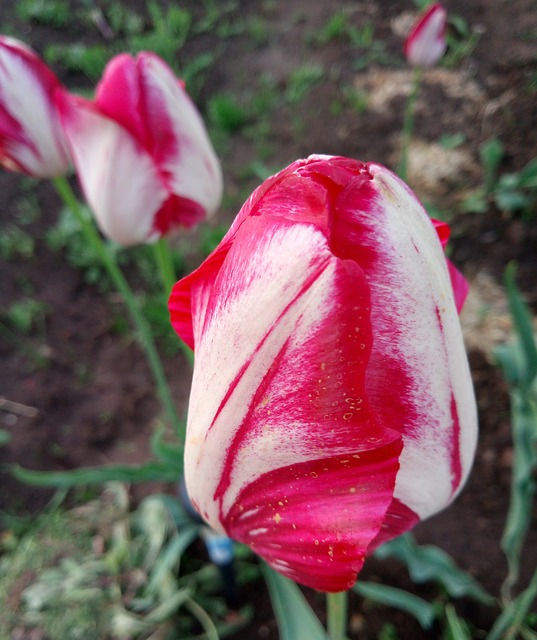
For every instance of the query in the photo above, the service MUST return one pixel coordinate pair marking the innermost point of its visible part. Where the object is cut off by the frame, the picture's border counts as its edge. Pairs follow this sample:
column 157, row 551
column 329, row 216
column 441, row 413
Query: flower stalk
column 164, row 260
column 144, row 334
column 408, row 123
column 336, row 609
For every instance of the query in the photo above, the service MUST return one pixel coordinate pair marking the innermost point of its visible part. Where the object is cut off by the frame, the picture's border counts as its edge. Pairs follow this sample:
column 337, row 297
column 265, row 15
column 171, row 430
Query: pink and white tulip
column 426, row 43
column 332, row 406
column 32, row 140
column 142, row 153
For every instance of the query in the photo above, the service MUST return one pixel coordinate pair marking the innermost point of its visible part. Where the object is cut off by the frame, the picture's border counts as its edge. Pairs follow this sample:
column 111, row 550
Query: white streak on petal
column 195, row 170
column 25, row 98
column 225, row 348
column 119, row 179
column 413, row 279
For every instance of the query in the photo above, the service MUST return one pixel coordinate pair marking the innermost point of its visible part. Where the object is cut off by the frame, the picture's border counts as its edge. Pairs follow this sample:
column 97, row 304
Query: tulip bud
column 426, row 43
column 142, row 153
column 331, row 405
column 32, row 140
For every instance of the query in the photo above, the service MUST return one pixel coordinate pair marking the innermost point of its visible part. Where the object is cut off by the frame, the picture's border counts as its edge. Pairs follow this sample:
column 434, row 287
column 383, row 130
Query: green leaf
column 423, row 611
column 429, row 563
column 151, row 471
column 528, row 175
column 476, row 202
column 5, row 437
column 169, row 558
column 510, row 622
column 523, row 325
column 452, row 141
column 511, row 360
column 169, row 453
column 524, row 430
column 491, row 153
column 511, row 200
column 456, row 629
column 520, row 369
column 296, row 620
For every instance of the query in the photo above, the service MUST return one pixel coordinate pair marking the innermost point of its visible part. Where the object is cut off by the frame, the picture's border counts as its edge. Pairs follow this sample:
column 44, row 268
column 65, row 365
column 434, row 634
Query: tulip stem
column 164, row 260
column 408, row 123
column 336, row 608
column 144, row 334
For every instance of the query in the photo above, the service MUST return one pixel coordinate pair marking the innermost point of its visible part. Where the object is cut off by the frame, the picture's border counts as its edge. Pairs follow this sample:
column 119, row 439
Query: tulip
column 332, row 405
column 142, row 153
column 32, row 140
column 426, row 43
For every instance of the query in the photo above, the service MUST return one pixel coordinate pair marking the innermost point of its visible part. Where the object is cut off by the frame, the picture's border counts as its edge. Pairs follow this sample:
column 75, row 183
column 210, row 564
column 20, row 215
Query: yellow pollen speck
column 352, row 490
column 323, row 366
column 316, row 542
column 277, row 518
column 281, row 504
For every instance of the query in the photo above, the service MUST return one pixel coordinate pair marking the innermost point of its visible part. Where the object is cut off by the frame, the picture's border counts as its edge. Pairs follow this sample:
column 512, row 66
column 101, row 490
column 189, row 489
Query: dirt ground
column 86, row 394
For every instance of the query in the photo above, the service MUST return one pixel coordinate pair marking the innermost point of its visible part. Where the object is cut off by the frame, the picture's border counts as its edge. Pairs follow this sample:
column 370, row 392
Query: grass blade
column 423, row 611
column 151, row 471
column 296, row 620
column 429, row 563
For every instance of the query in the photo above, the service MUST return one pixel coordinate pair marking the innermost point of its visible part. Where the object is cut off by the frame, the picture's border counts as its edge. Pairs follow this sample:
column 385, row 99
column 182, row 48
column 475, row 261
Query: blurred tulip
column 142, row 153
column 31, row 135
column 332, row 405
column 426, row 43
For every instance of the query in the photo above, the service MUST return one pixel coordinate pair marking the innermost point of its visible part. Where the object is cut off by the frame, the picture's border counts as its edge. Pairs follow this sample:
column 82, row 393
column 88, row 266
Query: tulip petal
column 285, row 398
column 119, row 95
column 426, row 43
column 458, row 281
column 146, row 98
column 119, row 178
column 180, row 143
column 420, row 387
column 295, row 525
column 31, row 136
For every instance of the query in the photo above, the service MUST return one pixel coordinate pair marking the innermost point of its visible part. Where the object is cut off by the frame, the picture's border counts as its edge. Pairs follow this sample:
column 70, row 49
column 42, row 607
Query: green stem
column 336, row 608
column 408, row 123
column 144, row 334
column 164, row 261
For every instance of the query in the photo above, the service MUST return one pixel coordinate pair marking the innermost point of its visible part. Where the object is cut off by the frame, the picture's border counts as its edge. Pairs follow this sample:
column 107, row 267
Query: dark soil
column 84, row 391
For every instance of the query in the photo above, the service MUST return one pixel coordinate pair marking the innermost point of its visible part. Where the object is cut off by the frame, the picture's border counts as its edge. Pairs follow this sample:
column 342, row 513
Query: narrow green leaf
column 225, row 629
column 523, row 324
column 151, row 471
column 521, row 372
column 511, row 360
column 423, row 611
column 169, row 558
column 456, row 629
column 5, row 437
column 511, row 200
column 296, row 620
column 528, row 175
column 167, row 452
column 429, row 563
column 511, row 620
column 491, row 153
column 524, row 431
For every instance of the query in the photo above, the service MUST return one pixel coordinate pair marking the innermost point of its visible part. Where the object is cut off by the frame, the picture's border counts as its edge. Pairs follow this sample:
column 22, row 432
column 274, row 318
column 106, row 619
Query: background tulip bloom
column 332, row 406
column 426, row 43
column 142, row 153
column 31, row 136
